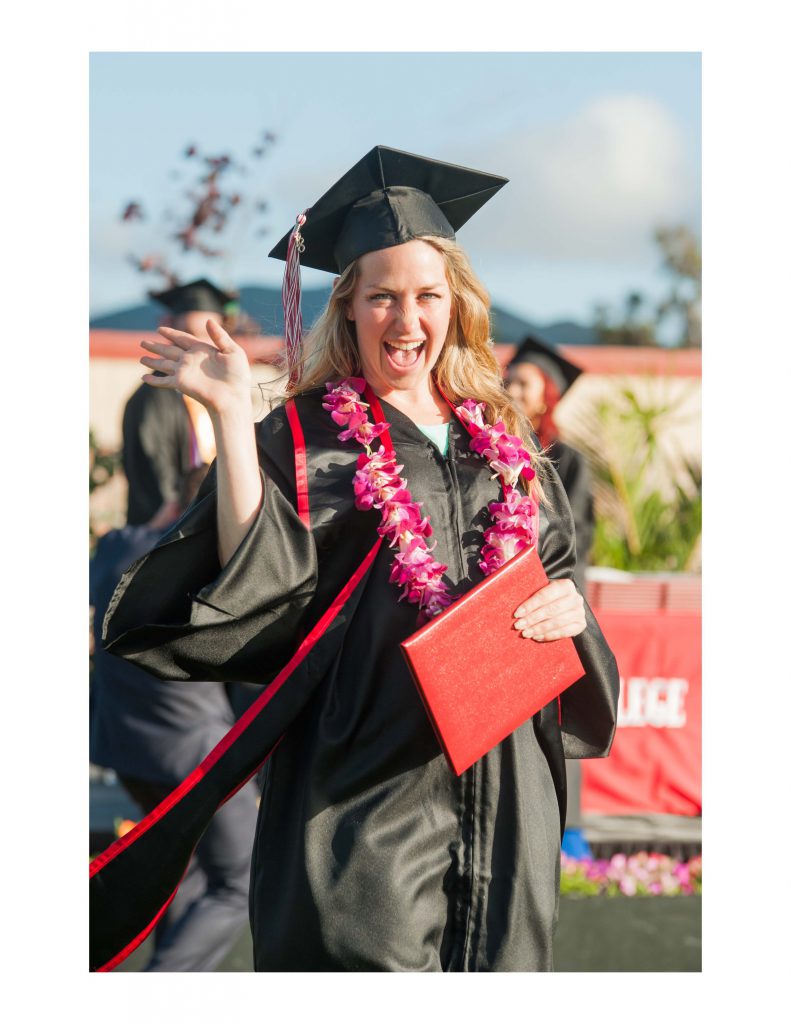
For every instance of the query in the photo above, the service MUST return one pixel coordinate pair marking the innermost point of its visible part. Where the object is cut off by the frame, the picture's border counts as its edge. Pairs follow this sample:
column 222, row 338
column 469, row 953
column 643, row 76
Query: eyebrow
column 422, row 288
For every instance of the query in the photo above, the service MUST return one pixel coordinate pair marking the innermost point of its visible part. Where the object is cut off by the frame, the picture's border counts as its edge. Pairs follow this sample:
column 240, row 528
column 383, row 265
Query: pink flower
column 471, row 412
column 516, row 513
column 420, row 576
column 681, row 871
column 354, row 418
column 414, row 563
column 505, row 453
column 500, row 546
column 598, row 870
column 512, row 532
column 343, row 401
column 401, row 516
column 436, row 598
column 490, row 560
column 628, row 886
column 376, row 480
column 364, row 432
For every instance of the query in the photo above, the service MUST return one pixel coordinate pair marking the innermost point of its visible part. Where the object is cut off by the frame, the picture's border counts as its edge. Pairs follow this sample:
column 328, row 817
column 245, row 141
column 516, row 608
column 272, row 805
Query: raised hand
column 215, row 373
column 555, row 611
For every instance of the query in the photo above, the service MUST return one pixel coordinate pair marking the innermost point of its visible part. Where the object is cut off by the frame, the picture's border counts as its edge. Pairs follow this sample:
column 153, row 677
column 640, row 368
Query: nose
column 408, row 319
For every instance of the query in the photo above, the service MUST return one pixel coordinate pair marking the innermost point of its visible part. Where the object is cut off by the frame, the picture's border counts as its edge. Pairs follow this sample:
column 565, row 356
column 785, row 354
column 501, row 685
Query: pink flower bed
column 641, row 874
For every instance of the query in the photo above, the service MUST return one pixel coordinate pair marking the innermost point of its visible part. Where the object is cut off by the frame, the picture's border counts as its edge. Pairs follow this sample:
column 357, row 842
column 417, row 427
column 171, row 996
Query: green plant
column 103, row 463
column 676, row 319
column 648, row 498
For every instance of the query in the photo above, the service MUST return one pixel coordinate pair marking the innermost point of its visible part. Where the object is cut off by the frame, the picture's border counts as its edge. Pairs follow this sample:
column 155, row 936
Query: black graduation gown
column 572, row 469
column 370, row 854
column 575, row 477
column 157, row 446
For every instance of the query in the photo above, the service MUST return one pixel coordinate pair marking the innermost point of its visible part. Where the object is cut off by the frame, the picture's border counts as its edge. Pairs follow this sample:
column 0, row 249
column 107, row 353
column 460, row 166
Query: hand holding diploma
column 555, row 611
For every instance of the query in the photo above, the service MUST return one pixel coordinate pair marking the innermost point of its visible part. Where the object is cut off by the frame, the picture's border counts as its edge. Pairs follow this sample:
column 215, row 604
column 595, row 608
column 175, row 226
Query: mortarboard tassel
column 292, row 305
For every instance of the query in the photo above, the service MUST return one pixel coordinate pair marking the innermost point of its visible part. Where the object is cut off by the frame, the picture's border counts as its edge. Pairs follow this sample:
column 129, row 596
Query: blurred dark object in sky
column 133, row 211
column 212, row 196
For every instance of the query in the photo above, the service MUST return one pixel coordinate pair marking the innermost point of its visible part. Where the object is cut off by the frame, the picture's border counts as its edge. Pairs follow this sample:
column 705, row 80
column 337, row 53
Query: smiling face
column 401, row 308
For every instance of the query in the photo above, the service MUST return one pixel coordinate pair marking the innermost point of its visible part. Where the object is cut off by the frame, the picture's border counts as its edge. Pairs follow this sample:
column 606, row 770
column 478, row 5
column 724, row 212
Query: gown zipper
column 451, row 463
column 469, row 787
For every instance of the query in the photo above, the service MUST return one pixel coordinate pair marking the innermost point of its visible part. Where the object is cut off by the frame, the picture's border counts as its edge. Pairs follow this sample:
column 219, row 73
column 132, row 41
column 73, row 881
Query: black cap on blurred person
column 199, row 296
column 540, row 354
column 387, row 198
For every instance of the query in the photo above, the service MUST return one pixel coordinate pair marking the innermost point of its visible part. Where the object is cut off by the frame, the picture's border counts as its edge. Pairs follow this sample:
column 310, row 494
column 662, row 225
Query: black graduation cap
column 562, row 371
column 387, row 198
column 199, row 296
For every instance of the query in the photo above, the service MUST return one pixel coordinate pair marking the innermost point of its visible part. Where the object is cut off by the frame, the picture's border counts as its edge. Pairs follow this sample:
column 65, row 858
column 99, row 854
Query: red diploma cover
column 479, row 678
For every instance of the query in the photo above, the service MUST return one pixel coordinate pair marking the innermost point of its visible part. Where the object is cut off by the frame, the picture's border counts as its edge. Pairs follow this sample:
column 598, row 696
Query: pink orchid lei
column 377, row 484
column 514, row 518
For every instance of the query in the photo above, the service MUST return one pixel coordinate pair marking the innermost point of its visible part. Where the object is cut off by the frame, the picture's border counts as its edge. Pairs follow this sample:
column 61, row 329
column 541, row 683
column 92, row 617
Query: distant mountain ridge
column 265, row 307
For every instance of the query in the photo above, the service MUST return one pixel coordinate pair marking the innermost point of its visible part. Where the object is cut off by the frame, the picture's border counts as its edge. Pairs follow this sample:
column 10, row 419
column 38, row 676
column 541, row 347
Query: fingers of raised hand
column 168, row 351
column 220, row 337
column 169, row 366
column 178, row 338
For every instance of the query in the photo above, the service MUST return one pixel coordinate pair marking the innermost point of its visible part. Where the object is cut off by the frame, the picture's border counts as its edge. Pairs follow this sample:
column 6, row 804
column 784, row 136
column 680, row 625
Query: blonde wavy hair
column 466, row 367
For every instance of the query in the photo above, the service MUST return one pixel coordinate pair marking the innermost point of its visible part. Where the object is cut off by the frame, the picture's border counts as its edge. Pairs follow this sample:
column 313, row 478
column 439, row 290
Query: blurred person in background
column 165, row 434
column 537, row 378
column 153, row 733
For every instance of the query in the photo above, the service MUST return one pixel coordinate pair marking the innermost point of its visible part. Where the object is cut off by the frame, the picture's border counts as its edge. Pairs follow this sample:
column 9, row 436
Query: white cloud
column 591, row 187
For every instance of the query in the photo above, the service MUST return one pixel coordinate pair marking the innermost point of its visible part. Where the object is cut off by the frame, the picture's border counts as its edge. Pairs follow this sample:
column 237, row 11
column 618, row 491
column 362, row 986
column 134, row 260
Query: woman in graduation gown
column 537, row 378
column 370, row 853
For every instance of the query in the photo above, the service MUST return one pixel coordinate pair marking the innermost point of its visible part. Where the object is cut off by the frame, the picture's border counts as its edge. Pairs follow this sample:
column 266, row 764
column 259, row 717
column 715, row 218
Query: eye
column 430, row 295
column 379, row 296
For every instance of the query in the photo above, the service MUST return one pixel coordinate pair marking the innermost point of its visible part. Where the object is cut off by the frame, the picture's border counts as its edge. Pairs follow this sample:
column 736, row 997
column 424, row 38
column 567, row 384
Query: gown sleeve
column 178, row 615
column 588, row 708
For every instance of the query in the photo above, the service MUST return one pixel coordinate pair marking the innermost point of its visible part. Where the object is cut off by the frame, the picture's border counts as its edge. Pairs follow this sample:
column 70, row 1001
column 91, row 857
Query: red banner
column 655, row 762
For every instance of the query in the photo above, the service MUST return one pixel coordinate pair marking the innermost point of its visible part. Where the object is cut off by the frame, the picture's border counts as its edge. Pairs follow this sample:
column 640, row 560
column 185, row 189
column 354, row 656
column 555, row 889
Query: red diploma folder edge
column 527, row 572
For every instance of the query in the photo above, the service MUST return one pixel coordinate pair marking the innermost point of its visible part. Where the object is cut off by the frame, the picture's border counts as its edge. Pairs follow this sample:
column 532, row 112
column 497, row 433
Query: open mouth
column 404, row 353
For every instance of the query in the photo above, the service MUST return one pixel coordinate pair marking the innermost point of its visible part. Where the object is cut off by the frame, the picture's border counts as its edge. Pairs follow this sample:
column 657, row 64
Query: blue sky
column 599, row 148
